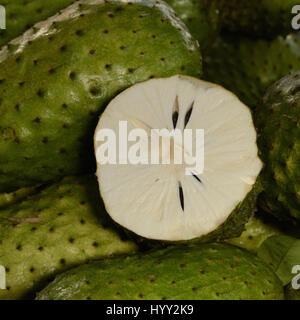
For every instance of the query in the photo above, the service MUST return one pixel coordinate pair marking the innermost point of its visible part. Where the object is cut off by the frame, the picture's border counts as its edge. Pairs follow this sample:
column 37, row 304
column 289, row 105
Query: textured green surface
column 7, row 199
column 257, row 230
column 22, row 14
column 52, row 90
column 248, row 67
column 201, row 19
column 214, row 271
column 256, row 17
column 279, row 141
column 282, row 254
column 292, row 294
column 63, row 226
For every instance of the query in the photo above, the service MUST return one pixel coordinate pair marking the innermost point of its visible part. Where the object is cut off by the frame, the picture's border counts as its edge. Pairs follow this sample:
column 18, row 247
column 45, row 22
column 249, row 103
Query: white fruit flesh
column 159, row 201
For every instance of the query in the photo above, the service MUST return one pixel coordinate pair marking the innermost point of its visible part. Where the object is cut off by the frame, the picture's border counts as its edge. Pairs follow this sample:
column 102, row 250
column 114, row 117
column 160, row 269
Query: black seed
column 181, row 196
column 175, row 112
column 188, row 114
column 198, row 179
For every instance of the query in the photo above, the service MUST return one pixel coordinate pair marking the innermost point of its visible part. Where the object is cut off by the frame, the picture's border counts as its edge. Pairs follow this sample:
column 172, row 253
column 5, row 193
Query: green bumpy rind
column 7, row 199
column 248, row 67
column 201, row 19
column 207, row 272
column 278, row 121
column 58, row 77
column 257, row 230
column 61, row 227
column 23, row 14
column 291, row 293
column 258, row 18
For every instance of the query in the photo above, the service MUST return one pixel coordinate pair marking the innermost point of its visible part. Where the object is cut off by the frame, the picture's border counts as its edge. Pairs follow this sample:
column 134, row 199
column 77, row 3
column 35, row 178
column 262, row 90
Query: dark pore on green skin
column 205, row 272
column 58, row 78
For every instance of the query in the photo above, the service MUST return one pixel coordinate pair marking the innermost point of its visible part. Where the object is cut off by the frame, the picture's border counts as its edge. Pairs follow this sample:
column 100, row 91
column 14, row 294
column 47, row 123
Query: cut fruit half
column 173, row 201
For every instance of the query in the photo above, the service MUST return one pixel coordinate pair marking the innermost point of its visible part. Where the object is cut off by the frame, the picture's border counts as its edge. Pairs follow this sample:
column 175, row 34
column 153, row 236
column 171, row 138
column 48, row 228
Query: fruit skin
column 259, row 18
column 257, row 230
column 279, row 143
column 57, row 84
column 251, row 65
column 7, row 199
column 292, row 294
column 201, row 19
column 21, row 15
column 214, row 271
column 63, row 226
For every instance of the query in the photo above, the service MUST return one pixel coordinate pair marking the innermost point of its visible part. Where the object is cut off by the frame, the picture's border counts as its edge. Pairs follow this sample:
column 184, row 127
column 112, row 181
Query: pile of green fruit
column 70, row 68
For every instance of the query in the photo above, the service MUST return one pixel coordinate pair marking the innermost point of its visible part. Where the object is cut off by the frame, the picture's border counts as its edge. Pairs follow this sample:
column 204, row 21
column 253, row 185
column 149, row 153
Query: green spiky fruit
column 22, row 14
column 257, row 17
column 201, row 19
column 213, row 271
column 251, row 65
column 292, row 294
column 61, row 227
column 56, row 84
column 257, row 230
column 279, row 142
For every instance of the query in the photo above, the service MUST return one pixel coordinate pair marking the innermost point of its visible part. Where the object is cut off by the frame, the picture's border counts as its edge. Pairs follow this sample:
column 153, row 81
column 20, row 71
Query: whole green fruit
column 278, row 121
column 58, row 78
column 61, row 227
column 206, row 272
column 23, row 14
column 248, row 67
